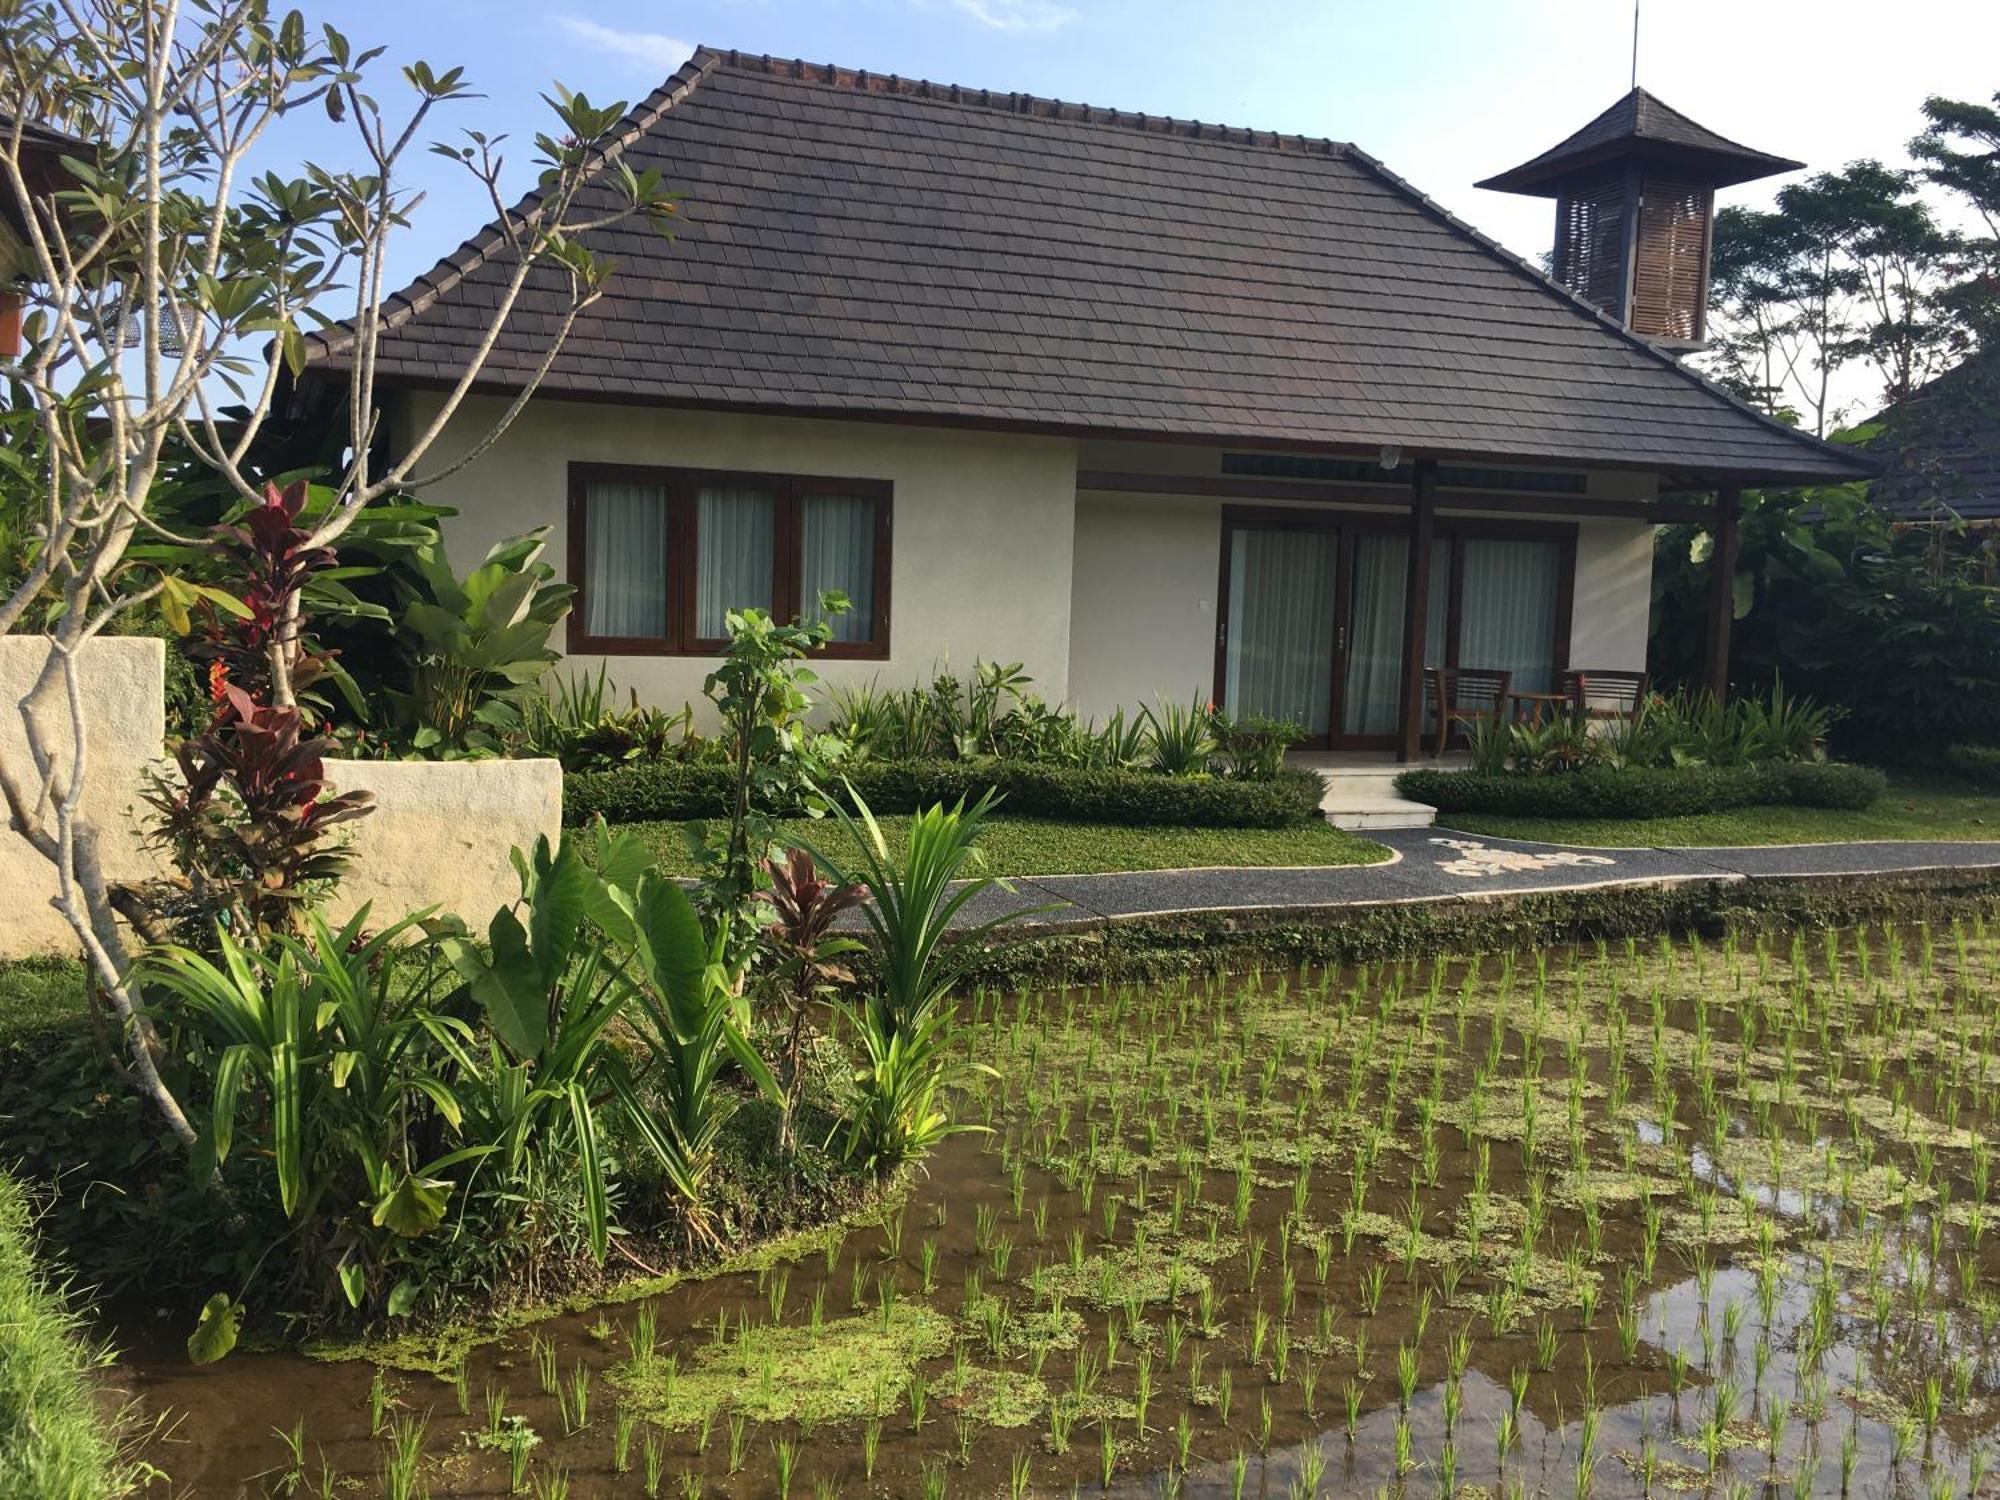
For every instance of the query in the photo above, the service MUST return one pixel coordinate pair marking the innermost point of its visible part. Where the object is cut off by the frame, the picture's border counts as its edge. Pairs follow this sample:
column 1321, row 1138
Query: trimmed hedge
column 670, row 791
column 1978, row 764
column 1646, row 791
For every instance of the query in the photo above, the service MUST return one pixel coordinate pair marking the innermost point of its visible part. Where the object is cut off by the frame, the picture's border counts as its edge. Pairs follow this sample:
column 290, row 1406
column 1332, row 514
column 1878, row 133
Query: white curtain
column 1507, row 620
column 1374, row 686
column 837, row 551
column 1281, row 596
column 735, row 541
column 625, row 578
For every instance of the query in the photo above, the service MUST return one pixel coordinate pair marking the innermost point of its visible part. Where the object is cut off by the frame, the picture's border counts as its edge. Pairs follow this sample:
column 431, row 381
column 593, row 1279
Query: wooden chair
column 1608, row 694
column 1465, row 695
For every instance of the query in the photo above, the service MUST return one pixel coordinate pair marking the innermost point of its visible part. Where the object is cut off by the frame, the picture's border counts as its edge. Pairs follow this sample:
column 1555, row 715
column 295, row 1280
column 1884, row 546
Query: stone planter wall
column 440, row 835
column 124, row 695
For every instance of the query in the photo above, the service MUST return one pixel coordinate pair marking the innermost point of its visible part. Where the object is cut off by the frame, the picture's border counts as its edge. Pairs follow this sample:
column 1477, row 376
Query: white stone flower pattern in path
column 1476, row 861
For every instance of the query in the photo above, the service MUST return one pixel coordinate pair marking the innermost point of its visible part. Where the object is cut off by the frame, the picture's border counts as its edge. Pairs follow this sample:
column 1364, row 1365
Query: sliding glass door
column 1509, row 596
column 1312, row 627
column 1379, row 579
column 1278, row 639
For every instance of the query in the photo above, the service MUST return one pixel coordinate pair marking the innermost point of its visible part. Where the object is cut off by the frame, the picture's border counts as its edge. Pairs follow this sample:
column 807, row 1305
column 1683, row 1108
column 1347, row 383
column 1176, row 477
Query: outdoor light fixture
column 1391, row 456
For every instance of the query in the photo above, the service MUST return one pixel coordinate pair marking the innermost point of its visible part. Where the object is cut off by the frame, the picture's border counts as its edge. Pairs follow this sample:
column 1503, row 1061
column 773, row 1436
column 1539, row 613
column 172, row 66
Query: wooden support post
column 1416, row 606
column 1721, row 591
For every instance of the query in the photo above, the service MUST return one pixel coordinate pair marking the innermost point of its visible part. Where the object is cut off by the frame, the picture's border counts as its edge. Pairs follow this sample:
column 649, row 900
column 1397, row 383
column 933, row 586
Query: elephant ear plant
column 607, row 940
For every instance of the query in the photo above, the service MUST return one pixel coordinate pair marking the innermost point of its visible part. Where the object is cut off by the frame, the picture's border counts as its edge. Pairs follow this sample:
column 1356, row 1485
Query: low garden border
column 674, row 791
column 1628, row 792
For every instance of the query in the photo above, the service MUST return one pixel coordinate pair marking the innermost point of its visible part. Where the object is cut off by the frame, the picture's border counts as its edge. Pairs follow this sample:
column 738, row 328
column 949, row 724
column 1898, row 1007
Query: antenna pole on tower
column 1635, row 43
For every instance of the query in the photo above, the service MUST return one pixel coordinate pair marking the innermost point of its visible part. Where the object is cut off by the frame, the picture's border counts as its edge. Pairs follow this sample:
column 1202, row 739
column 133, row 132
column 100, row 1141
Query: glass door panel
column 1278, row 662
column 1507, row 617
column 1373, row 688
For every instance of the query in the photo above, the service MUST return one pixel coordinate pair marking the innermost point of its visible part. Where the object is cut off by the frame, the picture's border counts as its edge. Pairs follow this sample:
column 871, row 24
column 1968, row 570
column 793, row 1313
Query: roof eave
column 1674, row 477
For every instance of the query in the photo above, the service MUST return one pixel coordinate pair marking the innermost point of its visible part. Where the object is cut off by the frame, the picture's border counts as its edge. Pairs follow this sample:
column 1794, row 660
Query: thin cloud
column 1017, row 15
column 653, row 51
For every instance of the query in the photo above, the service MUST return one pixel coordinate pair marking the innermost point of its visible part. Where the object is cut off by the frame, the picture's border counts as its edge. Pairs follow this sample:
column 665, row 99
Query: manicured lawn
column 1035, row 846
column 1910, row 809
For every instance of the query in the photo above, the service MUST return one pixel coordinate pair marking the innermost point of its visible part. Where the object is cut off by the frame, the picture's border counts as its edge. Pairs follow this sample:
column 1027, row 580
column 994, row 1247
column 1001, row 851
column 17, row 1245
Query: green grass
column 1037, row 846
column 1910, row 809
column 39, row 998
column 54, row 1442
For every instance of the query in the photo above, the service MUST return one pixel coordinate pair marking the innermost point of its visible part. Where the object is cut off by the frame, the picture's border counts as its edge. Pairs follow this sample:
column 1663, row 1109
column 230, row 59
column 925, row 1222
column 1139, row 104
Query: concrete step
column 1363, row 797
column 1361, row 813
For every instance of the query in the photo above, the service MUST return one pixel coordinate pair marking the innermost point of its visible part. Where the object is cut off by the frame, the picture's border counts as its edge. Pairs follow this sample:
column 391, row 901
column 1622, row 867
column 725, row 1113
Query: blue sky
column 1444, row 91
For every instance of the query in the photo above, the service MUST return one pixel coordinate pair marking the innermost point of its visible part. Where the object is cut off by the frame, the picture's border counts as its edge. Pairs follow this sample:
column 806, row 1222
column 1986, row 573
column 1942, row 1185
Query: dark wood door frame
column 1349, row 525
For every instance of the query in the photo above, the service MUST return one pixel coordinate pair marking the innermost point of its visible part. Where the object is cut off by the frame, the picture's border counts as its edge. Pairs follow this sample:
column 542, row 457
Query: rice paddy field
column 1681, row 1217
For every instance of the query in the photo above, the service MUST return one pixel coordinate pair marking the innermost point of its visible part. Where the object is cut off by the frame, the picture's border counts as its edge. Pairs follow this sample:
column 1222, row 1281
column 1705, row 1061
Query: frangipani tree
column 171, row 279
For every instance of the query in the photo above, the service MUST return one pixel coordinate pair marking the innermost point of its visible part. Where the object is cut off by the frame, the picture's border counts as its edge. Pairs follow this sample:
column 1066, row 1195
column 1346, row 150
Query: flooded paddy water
column 1688, row 1216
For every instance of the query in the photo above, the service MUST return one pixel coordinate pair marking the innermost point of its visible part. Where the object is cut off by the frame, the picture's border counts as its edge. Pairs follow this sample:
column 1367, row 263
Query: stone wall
column 123, row 689
column 440, row 835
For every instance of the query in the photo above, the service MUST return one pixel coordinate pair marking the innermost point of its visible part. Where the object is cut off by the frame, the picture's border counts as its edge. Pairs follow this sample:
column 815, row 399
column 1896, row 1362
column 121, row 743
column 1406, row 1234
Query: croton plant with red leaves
column 274, row 562
column 246, row 820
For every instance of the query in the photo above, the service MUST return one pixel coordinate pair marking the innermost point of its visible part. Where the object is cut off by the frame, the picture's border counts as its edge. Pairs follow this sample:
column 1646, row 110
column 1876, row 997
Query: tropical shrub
column 646, row 793
column 1253, row 748
column 1684, row 729
column 808, row 958
column 333, row 1055
column 903, row 1026
column 1979, row 764
column 1897, row 627
column 247, row 820
column 474, row 650
column 577, row 721
column 1182, row 737
column 774, row 758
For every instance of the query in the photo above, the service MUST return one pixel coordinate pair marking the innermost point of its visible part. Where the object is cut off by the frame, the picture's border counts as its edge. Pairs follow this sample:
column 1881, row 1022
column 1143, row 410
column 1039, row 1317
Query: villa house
column 1152, row 406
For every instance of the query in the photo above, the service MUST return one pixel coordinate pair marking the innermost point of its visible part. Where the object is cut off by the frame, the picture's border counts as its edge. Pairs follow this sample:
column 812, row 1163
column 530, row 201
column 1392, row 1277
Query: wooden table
column 1535, row 704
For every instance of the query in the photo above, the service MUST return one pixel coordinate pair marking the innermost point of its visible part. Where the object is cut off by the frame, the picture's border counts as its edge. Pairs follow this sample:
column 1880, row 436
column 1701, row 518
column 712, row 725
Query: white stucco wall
column 1143, row 605
column 442, row 834
column 981, row 534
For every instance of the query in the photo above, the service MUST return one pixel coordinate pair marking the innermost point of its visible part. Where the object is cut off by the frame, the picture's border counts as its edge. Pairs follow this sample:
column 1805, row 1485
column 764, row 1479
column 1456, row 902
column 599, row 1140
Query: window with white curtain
column 1507, row 609
column 837, row 555
column 735, row 536
column 661, row 557
column 625, row 561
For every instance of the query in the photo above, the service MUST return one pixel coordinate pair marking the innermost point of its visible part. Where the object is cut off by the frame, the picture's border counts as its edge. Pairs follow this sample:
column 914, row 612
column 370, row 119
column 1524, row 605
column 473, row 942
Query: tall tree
column 165, row 278
column 1846, row 266
column 1960, row 152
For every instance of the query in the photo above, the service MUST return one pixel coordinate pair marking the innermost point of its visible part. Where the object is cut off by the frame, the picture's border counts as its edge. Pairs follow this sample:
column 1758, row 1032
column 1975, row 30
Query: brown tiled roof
column 1642, row 126
column 855, row 244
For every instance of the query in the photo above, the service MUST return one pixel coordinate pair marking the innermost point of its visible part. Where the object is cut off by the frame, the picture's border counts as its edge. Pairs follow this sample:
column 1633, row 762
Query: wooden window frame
column 1351, row 523
column 682, row 488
